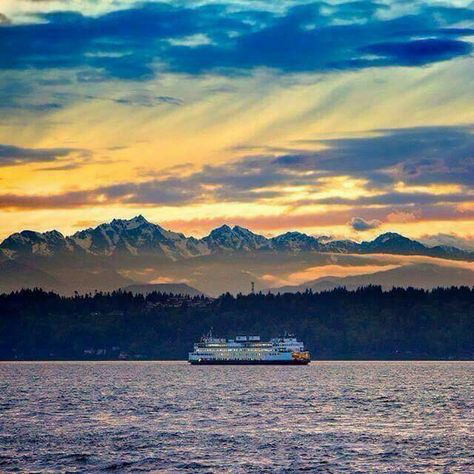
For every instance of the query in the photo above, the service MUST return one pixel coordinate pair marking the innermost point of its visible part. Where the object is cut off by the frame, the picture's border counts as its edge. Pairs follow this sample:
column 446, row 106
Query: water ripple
column 329, row 417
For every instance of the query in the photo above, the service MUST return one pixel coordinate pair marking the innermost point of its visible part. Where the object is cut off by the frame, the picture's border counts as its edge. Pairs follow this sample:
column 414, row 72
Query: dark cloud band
column 315, row 37
column 12, row 155
column 424, row 155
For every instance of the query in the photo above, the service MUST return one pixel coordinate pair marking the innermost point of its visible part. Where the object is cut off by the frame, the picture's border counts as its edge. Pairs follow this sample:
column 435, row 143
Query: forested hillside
column 367, row 323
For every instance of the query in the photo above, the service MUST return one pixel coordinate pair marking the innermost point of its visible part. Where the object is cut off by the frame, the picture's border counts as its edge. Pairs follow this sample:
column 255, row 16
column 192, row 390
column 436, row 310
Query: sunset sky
column 338, row 118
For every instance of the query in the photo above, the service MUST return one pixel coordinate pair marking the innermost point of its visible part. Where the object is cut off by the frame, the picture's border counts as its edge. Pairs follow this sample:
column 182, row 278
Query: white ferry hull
column 249, row 362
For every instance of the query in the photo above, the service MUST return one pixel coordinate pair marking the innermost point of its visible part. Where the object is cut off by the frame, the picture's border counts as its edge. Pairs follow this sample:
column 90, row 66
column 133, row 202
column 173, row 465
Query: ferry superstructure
column 249, row 350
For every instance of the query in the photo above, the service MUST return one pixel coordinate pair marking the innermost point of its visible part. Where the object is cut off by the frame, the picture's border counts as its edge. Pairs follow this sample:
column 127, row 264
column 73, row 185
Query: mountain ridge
column 138, row 236
column 136, row 252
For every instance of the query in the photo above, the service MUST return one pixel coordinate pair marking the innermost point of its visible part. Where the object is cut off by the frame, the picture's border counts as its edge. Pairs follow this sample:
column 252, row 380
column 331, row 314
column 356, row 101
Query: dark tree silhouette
column 367, row 323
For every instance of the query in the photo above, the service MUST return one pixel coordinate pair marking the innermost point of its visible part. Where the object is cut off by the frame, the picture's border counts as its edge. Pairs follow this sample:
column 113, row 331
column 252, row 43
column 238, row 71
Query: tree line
column 367, row 323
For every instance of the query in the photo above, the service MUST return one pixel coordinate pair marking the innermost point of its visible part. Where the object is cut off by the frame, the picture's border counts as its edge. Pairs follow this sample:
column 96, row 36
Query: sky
column 332, row 118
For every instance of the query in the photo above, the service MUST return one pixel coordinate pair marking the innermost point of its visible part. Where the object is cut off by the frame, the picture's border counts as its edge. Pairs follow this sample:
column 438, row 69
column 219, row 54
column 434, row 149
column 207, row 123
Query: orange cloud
column 403, row 217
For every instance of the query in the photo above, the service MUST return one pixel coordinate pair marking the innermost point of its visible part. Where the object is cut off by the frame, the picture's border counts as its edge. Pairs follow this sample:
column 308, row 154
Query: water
column 330, row 417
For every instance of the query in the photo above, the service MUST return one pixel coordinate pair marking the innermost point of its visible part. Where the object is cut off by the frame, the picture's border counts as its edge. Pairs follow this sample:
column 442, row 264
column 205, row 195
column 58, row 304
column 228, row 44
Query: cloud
column 4, row 20
column 12, row 155
column 382, row 160
column 140, row 100
column 360, row 224
column 66, row 200
column 343, row 269
column 419, row 52
column 65, row 167
column 87, row 223
column 135, row 43
column 395, row 198
column 449, row 239
column 400, row 216
column 419, row 155
column 32, row 107
column 19, row 94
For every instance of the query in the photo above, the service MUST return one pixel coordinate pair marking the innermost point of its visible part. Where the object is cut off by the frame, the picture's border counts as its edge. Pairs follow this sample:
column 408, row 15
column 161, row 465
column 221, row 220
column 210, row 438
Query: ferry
column 249, row 350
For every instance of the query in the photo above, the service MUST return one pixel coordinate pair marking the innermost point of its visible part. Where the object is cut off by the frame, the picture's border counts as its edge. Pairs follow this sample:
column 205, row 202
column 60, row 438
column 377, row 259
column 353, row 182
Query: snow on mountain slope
column 29, row 242
column 295, row 242
column 136, row 236
column 139, row 237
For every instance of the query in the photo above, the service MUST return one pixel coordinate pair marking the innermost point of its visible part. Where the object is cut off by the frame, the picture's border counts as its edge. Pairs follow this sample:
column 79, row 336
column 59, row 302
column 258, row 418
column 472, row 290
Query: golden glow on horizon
column 133, row 143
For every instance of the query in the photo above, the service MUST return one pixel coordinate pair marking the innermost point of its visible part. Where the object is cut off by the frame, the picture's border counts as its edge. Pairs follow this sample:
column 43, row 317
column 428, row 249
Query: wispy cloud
column 13, row 155
column 449, row 239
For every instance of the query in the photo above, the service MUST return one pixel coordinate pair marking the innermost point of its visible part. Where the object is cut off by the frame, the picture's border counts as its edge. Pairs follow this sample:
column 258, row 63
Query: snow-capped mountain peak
column 227, row 239
column 394, row 243
column 135, row 236
column 29, row 242
column 389, row 236
column 132, row 223
column 295, row 242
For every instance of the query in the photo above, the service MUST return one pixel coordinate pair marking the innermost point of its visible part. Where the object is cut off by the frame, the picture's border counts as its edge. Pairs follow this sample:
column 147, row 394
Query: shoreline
column 185, row 361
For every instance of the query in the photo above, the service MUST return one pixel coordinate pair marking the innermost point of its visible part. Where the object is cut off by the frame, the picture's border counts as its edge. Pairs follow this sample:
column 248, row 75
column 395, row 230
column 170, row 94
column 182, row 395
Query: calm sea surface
column 330, row 417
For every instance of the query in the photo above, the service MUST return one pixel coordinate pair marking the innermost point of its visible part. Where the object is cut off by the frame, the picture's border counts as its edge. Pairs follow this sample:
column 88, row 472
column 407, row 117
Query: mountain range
column 126, row 252
column 138, row 237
